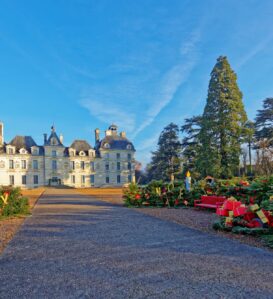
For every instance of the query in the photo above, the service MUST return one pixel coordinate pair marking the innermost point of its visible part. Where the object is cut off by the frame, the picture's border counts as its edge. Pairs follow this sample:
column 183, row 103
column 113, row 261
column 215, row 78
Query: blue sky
column 140, row 64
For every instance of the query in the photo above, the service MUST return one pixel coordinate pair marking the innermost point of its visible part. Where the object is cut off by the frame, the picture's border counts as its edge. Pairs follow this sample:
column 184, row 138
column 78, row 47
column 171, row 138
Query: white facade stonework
column 25, row 164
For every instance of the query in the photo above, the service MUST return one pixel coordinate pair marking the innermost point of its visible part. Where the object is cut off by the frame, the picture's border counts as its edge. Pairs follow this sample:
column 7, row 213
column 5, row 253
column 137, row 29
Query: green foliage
column 219, row 224
column 264, row 138
column 222, row 126
column 132, row 195
column 268, row 240
column 190, row 144
column 249, row 231
column 264, row 121
column 160, row 194
column 166, row 159
column 16, row 204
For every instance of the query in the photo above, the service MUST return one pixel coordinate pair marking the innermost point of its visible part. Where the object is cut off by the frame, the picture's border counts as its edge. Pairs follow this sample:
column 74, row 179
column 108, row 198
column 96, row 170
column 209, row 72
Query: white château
column 25, row 164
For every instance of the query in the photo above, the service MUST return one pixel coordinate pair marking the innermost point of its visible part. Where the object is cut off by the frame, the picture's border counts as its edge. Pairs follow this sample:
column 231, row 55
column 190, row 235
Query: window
column 24, row 164
column 107, row 180
column 129, row 165
column 54, row 164
column 10, row 151
column 106, row 167
column 34, row 152
column 11, row 164
column 129, row 156
column 72, row 164
column 35, row 164
column 54, row 153
column 24, row 179
column 118, row 179
column 118, row 165
column 82, row 164
column 73, row 179
column 22, row 151
column 83, row 179
column 118, row 155
column 92, row 179
column 11, row 179
column 129, row 178
column 53, row 141
column 92, row 166
column 35, row 179
column 107, row 156
column 129, row 146
column 106, row 145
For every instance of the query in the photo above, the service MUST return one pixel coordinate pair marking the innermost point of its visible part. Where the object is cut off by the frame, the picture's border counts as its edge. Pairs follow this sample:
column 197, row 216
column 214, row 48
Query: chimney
column 97, row 135
column 61, row 138
column 45, row 138
column 123, row 134
column 1, row 134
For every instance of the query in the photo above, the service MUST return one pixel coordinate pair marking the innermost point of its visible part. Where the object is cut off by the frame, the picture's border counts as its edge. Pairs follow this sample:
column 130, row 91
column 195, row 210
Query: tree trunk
column 250, row 157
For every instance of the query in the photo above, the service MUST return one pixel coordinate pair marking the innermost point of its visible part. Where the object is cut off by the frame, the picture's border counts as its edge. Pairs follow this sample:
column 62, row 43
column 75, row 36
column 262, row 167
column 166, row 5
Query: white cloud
column 254, row 51
column 110, row 113
column 148, row 143
column 172, row 80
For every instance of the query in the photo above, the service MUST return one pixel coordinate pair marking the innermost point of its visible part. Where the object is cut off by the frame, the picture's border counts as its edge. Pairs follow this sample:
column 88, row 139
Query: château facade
column 25, row 164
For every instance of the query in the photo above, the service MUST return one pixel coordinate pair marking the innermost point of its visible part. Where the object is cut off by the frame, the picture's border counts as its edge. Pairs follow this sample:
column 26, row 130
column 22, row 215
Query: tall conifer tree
column 222, row 123
column 166, row 159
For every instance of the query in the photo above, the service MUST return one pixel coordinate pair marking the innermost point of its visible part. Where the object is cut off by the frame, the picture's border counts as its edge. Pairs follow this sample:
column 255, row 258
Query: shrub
column 16, row 204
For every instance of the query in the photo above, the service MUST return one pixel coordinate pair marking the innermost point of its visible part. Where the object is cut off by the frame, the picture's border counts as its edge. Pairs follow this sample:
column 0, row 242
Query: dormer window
column 129, row 146
column 10, row 150
column 82, row 153
column 106, row 145
column 23, row 151
column 91, row 153
column 53, row 141
column 35, row 152
column 72, row 152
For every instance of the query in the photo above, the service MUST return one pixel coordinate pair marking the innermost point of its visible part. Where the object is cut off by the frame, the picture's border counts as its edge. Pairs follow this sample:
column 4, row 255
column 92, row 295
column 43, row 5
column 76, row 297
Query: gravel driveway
column 75, row 246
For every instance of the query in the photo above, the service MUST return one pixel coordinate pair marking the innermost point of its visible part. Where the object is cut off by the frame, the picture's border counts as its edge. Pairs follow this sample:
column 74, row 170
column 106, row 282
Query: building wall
column 18, row 171
column 107, row 166
column 93, row 166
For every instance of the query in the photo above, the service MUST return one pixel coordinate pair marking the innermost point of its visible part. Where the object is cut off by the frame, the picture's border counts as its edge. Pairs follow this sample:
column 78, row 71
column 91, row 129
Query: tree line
column 220, row 142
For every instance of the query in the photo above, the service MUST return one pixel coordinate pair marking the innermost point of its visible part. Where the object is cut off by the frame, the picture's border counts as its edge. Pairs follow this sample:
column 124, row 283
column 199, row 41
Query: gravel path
column 201, row 220
column 75, row 246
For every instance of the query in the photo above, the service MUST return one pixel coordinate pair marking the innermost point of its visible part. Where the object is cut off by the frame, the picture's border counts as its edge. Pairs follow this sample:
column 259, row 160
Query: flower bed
column 12, row 202
column 159, row 194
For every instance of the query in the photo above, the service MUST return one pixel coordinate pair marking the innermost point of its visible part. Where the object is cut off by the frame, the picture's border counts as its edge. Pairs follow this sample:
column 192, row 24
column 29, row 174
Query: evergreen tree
column 166, row 159
column 264, row 122
column 264, row 138
column 222, row 126
column 191, row 144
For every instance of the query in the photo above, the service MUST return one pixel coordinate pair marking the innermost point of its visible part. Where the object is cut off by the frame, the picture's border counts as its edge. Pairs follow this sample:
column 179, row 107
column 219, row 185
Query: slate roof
column 53, row 135
column 25, row 142
column 81, row 145
column 115, row 142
